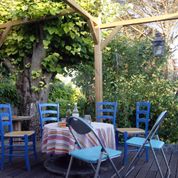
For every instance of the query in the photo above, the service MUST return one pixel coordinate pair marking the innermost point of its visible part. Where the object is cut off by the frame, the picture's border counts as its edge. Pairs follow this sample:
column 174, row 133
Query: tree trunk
column 29, row 91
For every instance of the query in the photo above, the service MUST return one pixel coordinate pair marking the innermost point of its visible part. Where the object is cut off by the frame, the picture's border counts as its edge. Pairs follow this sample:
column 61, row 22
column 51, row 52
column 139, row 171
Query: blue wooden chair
column 142, row 118
column 149, row 142
column 48, row 112
column 93, row 155
column 14, row 143
column 107, row 111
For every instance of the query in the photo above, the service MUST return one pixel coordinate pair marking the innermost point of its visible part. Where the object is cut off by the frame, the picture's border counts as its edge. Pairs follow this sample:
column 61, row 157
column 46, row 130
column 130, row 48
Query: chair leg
column 34, row 146
column 147, row 154
column 26, row 153
column 10, row 149
column 156, row 159
column 168, row 168
column 115, row 169
column 98, row 165
column 2, row 155
column 125, row 148
column 136, row 157
column 117, row 139
column 69, row 167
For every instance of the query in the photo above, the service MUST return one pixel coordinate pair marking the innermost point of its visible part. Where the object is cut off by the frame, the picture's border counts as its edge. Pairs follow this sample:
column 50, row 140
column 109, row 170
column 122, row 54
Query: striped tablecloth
column 58, row 140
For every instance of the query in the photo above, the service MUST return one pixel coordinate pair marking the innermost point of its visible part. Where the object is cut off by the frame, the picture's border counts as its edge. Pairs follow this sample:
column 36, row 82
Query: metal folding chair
column 149, row 142
column 94, row 155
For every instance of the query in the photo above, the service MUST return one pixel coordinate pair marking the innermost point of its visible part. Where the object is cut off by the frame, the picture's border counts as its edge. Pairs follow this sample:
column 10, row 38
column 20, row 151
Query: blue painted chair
column 142, row 118
column 48, row 112
column 107, row 111
column 14, row 143
column 149, row 142
column 93, row 155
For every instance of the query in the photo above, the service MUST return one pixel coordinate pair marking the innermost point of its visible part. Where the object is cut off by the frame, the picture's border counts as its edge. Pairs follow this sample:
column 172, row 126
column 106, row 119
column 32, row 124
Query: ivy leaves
column 21, row 9
column 51, row 64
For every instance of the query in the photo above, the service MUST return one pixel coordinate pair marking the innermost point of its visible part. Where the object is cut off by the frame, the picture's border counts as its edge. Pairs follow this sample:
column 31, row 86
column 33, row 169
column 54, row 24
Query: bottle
column 75, row 112
column 68, row 111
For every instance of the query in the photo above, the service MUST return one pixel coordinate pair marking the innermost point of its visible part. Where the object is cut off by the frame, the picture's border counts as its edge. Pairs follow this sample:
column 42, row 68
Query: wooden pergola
column 96, row 28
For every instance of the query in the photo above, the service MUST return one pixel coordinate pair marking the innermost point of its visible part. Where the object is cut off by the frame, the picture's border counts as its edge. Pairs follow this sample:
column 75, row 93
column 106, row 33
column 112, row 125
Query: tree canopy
column 36, row 52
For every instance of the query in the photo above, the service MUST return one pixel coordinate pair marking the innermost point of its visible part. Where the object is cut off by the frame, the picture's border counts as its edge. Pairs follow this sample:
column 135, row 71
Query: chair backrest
column 143, row 114
column 48, row 112
column 156, row 126
column 5, row 118
column 106, row 110
column 80, row 126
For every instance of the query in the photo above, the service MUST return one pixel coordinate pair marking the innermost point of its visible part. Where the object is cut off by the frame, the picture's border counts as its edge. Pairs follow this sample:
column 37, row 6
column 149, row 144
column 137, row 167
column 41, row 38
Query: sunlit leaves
column 51, row 64
column 31, row 9
column 36, row 74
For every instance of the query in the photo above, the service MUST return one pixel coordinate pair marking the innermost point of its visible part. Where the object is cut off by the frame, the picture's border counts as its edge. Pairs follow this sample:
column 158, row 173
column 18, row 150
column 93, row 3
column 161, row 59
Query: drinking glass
column 87, row 118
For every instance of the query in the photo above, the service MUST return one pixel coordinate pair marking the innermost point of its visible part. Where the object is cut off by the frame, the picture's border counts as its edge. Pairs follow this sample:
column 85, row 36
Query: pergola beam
column 92, row 21
column 26, row 21
column 4, row 34
column 77, row 8
column 109, row 38
column 93, row 31
column 98, row 68
column 140, row 21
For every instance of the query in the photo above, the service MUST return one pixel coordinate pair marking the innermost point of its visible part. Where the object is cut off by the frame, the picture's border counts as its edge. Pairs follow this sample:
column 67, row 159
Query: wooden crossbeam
column 93, row 31
column 109, row 38
column 4, row 34
column 75, row 6
column 140, row 21
column 25, row 21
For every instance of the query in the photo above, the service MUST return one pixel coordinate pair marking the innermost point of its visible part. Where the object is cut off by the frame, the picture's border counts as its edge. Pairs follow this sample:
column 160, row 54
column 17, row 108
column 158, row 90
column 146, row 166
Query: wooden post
column 98, row 68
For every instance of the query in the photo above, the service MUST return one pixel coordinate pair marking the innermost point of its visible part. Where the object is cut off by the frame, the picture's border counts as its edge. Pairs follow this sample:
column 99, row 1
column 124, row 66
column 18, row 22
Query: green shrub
column 161, row 94
column 64, row 95
column 8, row 92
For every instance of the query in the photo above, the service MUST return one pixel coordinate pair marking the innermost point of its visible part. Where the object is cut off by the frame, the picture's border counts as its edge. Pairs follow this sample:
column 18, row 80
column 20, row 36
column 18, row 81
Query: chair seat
column 19, row 133
column 91, row 155
column 138, row 141
column 132, row 130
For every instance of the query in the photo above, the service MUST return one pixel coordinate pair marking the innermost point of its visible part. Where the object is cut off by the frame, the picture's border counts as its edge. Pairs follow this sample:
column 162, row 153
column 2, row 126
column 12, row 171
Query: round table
column 57, row 140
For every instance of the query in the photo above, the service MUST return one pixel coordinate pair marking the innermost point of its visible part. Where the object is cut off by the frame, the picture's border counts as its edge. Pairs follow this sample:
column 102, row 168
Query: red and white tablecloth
column 57, row 140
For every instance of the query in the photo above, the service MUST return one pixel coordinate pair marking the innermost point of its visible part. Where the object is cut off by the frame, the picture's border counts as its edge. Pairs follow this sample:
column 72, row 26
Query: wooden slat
column 140, row 21
column 173, row 163
column 131, row 130
column 25, row 21
column 5, row 33
column 75, row 6
column 145, row 167
column 98, row 68
column 19, row 133
column 16, row 169
column 110, row 37
column 93, row 31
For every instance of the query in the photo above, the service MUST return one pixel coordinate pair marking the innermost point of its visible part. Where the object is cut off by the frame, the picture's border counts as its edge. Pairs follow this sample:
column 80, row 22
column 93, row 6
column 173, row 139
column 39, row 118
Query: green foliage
column 8, row 92
column 84, row 78
column 64, row 95
column 160, row 92
column 28, row 9
column 130, row 74
column 138, row 76
column 66, row 39
column 50, row 63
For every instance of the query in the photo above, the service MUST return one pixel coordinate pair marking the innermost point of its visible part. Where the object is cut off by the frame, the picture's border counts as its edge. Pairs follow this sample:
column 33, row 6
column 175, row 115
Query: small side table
column 17, row 121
